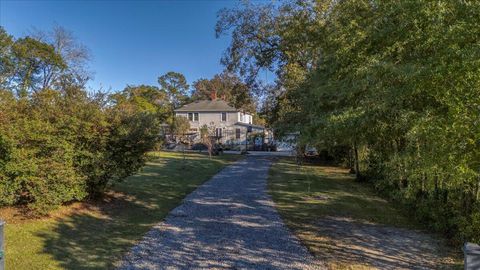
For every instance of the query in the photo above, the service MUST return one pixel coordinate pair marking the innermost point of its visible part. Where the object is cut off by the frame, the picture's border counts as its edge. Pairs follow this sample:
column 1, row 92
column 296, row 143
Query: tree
column 266, row 36
column 396, row 82
column 60, row 143
column 75, row 55
column 6, row 58
column 226, row 86
column 176, row 87
column 207, row 136
column 33, row 61
column 180, row 127
column 144, row 98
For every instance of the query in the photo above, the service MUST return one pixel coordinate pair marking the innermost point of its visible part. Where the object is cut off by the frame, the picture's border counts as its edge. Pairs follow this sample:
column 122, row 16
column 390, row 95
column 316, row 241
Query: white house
column 229, row 124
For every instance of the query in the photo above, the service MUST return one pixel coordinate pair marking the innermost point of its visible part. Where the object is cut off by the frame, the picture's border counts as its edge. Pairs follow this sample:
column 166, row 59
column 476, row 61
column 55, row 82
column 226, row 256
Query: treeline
column 58, row 142
column 390, row 87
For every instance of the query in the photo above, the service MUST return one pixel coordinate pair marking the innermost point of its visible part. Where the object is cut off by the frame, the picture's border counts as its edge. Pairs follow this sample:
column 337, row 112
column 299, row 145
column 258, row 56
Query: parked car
column 199, row 147
column 310, row 152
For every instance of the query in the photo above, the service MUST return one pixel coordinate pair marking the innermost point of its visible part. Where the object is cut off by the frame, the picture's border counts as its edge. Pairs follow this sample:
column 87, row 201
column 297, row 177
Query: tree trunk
column 357, row 167
column 477, row 192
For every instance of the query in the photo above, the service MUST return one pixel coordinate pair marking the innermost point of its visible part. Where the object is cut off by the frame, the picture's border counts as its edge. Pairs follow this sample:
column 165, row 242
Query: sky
column 131, row 42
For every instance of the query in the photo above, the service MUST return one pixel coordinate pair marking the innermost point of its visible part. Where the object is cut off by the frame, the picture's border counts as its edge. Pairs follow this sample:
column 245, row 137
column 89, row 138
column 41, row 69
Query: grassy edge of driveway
column 95, row 235
column 305, row 194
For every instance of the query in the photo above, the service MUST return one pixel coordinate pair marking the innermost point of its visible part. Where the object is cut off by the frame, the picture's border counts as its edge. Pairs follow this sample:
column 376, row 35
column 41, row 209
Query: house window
column 218, row 132
column 193, row 117
column 224, row 116
column 237, row 133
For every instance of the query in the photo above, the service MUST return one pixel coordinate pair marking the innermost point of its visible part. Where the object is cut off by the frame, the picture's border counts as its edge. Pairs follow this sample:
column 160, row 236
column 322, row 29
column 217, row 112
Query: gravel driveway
column 227, row 223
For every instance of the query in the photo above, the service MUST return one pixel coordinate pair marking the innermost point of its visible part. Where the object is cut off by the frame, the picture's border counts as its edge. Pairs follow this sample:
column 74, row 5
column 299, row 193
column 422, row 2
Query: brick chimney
column 213, row 95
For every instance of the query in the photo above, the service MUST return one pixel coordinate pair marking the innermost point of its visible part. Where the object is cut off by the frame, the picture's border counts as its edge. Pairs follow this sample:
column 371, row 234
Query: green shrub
column 56, row 147
column 59, row 143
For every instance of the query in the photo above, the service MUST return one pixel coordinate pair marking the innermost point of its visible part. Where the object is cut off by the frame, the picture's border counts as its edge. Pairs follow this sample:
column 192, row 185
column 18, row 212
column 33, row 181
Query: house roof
column 207, row 106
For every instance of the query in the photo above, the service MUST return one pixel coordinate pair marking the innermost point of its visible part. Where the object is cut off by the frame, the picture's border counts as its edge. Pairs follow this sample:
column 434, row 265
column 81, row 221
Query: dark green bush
column 56, row 147
column 59, row 143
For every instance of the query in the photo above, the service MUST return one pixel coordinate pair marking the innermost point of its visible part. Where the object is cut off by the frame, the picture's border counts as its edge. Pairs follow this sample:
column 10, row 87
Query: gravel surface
column 352, row 241
column 227, row 223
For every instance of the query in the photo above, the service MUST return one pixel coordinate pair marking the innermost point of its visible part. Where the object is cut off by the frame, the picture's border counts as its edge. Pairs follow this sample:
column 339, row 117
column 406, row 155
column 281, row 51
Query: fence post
column 472, row 256
column 2, row 251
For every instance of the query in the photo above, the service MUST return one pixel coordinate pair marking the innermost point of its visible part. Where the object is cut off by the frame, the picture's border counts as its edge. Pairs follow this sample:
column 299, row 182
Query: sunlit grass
column 96, row 235
column 306, row 194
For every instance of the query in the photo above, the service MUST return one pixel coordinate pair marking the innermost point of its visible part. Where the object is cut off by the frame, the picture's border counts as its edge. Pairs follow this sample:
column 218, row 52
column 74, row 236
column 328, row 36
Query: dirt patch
column 112, row 201
column 351, row 244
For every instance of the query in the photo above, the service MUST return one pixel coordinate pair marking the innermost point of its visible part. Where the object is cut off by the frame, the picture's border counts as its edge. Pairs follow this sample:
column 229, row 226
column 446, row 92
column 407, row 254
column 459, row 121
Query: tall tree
column 33, row 62
column 75, row 55
column 6, row 58
column 226, row 86
column 282, row 38
column 143, row 98
column 176, row 87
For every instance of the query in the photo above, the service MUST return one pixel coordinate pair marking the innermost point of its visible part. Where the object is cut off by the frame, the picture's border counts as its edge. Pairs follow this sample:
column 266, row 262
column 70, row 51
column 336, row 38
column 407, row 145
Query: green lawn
column 309, row 192
column 96, row 235
column 304, row 195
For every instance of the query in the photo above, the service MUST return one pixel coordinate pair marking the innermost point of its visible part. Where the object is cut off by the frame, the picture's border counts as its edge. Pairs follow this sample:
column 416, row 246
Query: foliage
column 74, row 54
column 180, row 127
column 176, row 87
column 143, row 98
column 63, row 144
column 310, row 197
column 95, row 235
column 31, row 57
column 395, row 81
column 265, row 37
column 207, row 137
column 226, row 86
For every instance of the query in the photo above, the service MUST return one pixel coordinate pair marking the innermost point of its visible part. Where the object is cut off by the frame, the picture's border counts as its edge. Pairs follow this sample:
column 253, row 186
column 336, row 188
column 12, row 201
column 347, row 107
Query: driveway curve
column 227, row 223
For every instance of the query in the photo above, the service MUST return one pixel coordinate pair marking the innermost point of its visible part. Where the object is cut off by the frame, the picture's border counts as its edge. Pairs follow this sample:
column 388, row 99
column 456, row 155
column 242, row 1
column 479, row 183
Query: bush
column 38, row 155
column 59, row 146
column 130, row 137
column 57, row 142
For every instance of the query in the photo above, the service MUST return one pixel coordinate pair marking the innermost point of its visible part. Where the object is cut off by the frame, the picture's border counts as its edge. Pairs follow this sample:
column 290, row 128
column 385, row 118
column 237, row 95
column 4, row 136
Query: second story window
column 190, row 116
column 224, row 116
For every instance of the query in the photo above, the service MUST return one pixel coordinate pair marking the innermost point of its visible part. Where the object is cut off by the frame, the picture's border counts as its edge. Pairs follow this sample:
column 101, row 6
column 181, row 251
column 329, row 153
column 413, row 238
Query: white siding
column 214, row 119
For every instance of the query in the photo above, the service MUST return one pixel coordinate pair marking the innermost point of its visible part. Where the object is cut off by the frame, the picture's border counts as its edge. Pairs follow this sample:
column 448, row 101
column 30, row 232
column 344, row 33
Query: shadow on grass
column 98, row 235
column 345, row 223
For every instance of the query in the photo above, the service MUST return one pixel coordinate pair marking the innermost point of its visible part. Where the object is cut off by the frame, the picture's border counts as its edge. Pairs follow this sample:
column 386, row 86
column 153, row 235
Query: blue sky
column 132, row 42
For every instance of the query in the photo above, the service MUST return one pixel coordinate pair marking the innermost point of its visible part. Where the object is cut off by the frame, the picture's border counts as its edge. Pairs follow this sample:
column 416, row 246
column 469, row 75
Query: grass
column 317, row 191
column 306, row 195
column 95, row 235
